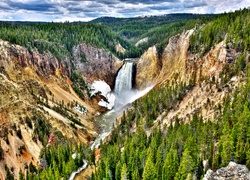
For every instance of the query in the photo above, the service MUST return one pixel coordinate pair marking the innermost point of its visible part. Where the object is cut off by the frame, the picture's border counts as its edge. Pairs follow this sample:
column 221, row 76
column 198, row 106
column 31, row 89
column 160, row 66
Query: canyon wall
column 176, row 63
column 96, row 64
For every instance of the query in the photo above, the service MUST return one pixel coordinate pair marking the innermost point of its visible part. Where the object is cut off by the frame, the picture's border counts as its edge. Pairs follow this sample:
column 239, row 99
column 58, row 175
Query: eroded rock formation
column 28, row 81
column 232, row 172
column 177, row 64
column 148, row 68
column 96, row 64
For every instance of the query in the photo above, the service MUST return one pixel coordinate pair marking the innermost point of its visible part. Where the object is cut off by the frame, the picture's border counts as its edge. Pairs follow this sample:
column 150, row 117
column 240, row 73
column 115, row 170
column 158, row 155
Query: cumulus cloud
column 85, row 10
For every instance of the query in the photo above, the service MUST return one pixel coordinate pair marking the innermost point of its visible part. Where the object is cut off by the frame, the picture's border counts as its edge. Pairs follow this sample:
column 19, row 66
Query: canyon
column 35, row 84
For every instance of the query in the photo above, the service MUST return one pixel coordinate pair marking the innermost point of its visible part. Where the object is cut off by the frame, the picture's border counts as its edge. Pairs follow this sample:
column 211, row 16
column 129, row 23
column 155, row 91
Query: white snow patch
column 105, row 90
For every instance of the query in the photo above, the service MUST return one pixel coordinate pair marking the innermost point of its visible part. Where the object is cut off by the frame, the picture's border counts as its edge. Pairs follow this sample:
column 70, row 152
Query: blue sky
column 85, row 10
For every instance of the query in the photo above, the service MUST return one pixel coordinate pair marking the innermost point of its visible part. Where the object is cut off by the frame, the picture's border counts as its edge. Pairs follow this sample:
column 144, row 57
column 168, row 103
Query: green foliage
column 173, row 152
column 124, row 173
column 41, row 128
column 21, row 175
column 149, row 171
column 79, row 85
column 186, row 167
column 158, row 29
column 9, row 175
column 235, row 26
column 60, row 38
column 177, row 151
column 59, row 161
column 28, row 122
column 171, row 164
column 65, row 112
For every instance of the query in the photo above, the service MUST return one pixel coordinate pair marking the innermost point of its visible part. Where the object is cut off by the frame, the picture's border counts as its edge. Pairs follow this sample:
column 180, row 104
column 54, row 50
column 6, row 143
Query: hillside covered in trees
column 158, row 29
column 154, row 150
column 147, row 142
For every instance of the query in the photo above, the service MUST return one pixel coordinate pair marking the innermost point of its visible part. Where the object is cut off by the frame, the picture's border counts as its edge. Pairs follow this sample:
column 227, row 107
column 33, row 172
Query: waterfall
column 123, row 80
column 123, row 84
column 124, row 95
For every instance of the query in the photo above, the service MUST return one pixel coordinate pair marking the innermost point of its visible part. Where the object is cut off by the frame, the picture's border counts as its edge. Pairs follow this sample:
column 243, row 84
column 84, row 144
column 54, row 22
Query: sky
column 86, row 10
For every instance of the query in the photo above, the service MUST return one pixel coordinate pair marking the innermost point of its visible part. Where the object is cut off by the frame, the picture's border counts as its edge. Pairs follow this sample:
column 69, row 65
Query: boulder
column 232, row 172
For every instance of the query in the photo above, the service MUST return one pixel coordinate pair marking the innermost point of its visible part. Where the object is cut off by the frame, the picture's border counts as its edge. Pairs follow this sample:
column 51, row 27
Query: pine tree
column 149, row 172
column 124, row 173
column 135, row 174
column 186, row 166
column 227, row 149
column 170, row 166
column 118, row 170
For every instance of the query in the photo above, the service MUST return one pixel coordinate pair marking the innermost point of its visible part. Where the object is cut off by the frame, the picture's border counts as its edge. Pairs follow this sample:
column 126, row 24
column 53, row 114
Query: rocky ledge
column 232, row 172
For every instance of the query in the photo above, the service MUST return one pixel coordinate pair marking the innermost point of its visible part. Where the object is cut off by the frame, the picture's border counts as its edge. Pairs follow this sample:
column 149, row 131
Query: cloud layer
column 85, row 10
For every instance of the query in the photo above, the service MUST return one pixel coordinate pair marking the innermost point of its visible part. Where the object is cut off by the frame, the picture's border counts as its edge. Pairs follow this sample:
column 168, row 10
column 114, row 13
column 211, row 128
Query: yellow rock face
column 148, row 68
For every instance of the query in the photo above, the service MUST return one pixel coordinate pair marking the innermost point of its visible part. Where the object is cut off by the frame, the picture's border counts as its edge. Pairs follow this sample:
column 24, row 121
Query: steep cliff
column 174, row 58
column 178, row 65
column 37, row 88
column 33, row 87
column 96, row 64
column 148, row 68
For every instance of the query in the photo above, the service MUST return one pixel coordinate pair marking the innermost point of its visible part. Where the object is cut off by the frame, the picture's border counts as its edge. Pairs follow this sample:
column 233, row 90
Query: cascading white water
column 123, row 81
column 124, row 95
column 123, row 85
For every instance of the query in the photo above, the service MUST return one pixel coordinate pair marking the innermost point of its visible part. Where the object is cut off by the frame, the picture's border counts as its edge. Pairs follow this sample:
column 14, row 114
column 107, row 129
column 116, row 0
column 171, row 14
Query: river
column 124, row 95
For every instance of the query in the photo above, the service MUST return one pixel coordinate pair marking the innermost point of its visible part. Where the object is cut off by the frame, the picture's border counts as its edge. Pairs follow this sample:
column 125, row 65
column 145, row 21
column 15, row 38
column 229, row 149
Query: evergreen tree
column 124, row 172
column 186, row 166
column 135, row 174
column 171, row 165
column 149, row 172
column 118, row 170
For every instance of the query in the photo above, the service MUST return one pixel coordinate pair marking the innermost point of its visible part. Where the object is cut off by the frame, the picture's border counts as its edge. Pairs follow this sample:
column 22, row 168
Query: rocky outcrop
column 177, row 64
column 148, row 68
column 232, row 172
column 32, row 63
column 144, row 40
column 96, row 64
column 28, row 81
column 119, row 48
column 171, row 65
column 174, row 58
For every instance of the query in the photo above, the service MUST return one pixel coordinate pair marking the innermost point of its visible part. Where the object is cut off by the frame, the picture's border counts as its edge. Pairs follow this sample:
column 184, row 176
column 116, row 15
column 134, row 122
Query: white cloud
column 85, row 10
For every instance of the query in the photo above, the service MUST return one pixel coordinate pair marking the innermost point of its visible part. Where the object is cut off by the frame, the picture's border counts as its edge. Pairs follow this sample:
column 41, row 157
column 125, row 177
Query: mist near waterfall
column 124, row 95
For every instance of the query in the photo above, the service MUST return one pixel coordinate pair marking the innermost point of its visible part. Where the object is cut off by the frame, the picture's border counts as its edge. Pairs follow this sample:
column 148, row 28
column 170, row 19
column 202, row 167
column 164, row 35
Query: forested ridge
column 158, row 29
column 60, row 38
column 233, row 26
column 178, row 151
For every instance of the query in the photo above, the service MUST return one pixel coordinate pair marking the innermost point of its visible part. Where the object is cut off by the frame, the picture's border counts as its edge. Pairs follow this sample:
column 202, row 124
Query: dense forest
column 151, row 150
column 178, row 151
column 158, row 29
column 232, row 25
column 60, row 38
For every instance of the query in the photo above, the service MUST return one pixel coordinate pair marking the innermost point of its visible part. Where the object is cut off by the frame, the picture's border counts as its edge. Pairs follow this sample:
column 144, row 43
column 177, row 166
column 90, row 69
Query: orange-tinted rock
column 148, row 68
